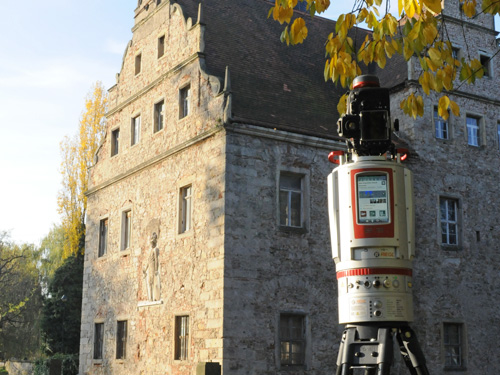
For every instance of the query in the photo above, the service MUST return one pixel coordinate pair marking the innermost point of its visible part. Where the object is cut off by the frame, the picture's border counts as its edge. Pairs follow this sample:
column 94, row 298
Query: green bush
column 69, row 364
column 3, row 371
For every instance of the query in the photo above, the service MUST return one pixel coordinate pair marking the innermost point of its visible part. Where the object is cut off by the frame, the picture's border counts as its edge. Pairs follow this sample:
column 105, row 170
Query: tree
column 78, row 156
column 51, row 253
column 416, row 30
column 61, row 312
column 20, row 299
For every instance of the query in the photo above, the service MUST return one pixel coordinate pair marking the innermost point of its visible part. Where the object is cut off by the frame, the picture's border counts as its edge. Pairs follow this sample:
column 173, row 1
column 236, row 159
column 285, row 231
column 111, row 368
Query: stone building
column 207, row 229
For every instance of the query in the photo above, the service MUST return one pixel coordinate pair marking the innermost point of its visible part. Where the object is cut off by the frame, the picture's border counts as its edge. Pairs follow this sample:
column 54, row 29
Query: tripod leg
column 411, row 352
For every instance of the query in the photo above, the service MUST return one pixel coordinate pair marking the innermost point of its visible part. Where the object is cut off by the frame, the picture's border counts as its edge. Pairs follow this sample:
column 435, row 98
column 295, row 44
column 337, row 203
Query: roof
column 272, row 84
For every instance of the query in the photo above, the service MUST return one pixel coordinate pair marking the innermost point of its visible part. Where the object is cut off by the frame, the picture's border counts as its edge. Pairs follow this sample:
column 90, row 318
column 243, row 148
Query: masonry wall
column 270, row 269
column 453, row 284
column 146, row 178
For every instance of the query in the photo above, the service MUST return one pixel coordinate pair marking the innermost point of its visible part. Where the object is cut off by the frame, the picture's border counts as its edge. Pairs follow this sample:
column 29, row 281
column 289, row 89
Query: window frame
column 138, row 64
column 157, row 115
column 438, row 120
column 290, row 192
column 485, row 60
column 98, row 347
column 161, row 46
column 126, row 230
column 185, row 208
column 121, row 339
column 135, row 130
column 181, row 338
column 449, row 347
column 445, row 221
column 102, row 245
column 477, row 127
column 115, row 141
column 185, row 101
column 288, row 337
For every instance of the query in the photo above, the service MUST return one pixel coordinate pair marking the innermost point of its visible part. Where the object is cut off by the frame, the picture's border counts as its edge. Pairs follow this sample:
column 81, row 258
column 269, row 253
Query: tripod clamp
column 370, row 347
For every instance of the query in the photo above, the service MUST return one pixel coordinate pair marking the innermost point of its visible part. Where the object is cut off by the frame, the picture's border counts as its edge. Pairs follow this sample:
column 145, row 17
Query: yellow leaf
column 443, row 104
column 298, row 31
column 454, row 108
column 342, row 105
column 433, row 5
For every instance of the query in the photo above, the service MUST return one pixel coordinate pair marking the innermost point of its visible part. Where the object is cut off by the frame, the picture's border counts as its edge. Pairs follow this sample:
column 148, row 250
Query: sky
column 52, row 52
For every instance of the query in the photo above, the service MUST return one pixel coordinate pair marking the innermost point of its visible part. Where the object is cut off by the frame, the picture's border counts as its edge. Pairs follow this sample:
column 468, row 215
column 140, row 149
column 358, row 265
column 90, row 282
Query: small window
column 185, row 209
column 292, row 339
column 98, row 340
column 158, row 2
column 498, row 136
column 103, row 237
column 448, row 208
column 126, row 229
column 453, row 341
column 138, row 63
column 158, row 115
column 440, row 125
column 115, row 142
column 473, row 132
column 290, row 200
column 181, row 337
column 184, row 97
column 121, row 339
column 455, row 53
column 135, row 130
column 161, row 46
column 485, row 62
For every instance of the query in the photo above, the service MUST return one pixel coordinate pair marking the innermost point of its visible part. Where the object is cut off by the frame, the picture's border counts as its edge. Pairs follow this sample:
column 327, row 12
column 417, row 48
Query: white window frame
column 441, row 126
column 290, row 192
column 135, row 130
column 185, row 101
column 95, row 356
column 161, row 113
column 121, row 355
column 473, row 130
column 446, row 223
column 181, row 338
column 126, row 232
column 454, row 352
column 185, row 208
column 100, row 238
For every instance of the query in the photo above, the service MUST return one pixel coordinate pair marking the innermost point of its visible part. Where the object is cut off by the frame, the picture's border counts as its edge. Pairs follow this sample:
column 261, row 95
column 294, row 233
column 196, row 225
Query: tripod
column 370, row 347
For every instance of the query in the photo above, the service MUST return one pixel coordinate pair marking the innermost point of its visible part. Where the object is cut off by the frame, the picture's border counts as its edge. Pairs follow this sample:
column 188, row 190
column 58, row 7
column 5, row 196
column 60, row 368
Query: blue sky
column 52, row 52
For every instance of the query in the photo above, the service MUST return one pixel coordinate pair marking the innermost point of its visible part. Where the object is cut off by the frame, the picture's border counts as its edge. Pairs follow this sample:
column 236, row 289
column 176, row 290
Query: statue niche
column 152, row 271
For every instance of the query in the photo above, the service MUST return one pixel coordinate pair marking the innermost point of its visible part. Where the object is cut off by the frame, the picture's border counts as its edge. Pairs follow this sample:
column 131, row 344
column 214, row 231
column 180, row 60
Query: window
column 138, row 61
column 290, row 200
column 455, row 53
column 448, row 208
column 184, row 98
column 473, row 130
column 115, row 141
column 185, row 209
column 135, row 130
column 126, row 229
column 161, row 46
column 181, row 337
column 158, row 115
column 103, row 237
column 158, row 2
column 121, row 339
column 292, row 339
column 98, row 340
column 441, row 125
column 485, row 62
column 453, row 341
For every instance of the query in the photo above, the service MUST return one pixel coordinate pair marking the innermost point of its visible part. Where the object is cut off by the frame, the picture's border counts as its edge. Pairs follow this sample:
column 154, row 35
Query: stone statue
column 152, row 271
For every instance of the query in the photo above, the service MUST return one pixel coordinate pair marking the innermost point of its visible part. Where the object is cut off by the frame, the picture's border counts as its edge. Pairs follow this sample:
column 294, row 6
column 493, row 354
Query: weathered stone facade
column 236, row 268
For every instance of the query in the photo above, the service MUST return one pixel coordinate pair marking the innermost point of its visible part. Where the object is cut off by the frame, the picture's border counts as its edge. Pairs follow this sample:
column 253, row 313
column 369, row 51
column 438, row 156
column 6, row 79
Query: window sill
column 97, row 362
column 287, row 229
column 458, row 369
column 125, row 253
column 451, row 248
